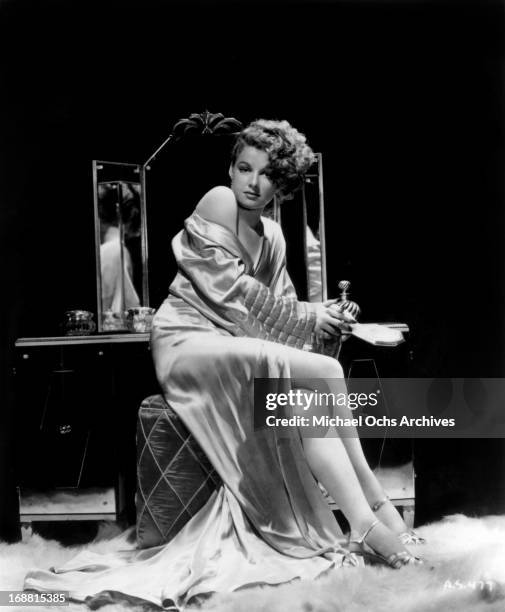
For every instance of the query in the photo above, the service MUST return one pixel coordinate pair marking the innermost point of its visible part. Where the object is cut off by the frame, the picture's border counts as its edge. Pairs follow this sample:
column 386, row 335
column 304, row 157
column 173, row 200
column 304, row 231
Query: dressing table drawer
column 76, row 407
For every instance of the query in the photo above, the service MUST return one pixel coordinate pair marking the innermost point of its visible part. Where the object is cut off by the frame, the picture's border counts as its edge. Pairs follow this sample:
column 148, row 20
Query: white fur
column 459, row 548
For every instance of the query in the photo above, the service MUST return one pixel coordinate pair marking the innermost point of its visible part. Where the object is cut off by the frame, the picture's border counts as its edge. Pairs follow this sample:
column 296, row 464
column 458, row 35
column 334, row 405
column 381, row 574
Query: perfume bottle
column 343, row 301
column 331, row 346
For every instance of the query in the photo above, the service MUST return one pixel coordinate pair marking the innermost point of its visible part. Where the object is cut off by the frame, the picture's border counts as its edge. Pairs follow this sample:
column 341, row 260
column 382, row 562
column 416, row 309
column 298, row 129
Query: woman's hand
column 331, row 322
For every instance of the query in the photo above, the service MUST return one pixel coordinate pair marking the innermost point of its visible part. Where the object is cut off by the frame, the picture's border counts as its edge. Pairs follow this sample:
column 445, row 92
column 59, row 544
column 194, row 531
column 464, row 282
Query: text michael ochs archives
column 318, row 407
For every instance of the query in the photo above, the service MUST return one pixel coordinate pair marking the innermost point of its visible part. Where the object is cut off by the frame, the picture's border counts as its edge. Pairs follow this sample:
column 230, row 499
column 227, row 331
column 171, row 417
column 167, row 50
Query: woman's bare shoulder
column 219, row 206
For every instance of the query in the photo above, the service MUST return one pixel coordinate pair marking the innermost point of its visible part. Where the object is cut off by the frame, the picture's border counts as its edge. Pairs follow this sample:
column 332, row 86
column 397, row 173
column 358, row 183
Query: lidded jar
column 78, row 323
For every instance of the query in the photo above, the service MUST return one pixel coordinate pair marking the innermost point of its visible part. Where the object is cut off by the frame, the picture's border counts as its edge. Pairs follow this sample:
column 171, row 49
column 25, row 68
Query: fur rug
column 461, row 552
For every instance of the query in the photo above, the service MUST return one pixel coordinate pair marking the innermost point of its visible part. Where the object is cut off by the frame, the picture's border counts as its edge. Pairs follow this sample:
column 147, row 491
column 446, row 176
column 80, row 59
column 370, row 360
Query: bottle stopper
column 343, row 301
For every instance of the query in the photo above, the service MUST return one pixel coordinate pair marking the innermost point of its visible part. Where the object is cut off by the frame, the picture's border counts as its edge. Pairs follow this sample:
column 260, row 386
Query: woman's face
column 251, row 186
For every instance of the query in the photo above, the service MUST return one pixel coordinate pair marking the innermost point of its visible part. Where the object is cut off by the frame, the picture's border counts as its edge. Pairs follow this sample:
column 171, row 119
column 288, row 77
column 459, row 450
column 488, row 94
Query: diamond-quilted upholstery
column 174, row 477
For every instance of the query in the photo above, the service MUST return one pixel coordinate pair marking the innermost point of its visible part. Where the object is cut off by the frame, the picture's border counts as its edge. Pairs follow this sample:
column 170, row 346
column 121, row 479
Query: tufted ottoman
column 174, row 477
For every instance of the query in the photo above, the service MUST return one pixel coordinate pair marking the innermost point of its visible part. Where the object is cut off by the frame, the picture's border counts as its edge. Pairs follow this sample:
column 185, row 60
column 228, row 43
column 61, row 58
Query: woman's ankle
column 387, row 513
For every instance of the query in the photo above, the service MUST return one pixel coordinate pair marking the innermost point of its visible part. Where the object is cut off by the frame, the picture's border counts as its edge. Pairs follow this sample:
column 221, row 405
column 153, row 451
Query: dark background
column 404, row 99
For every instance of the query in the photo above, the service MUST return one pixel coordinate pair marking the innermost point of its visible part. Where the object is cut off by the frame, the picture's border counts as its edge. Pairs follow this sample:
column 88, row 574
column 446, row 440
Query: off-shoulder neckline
column 266, row 237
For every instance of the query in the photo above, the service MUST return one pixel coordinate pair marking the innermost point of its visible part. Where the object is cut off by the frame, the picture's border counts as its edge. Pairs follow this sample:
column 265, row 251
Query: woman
column 232, row 317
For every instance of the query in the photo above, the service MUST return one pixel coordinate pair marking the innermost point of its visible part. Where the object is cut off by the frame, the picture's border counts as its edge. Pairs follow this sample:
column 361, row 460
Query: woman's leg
column 339, row 462
column 372, row 489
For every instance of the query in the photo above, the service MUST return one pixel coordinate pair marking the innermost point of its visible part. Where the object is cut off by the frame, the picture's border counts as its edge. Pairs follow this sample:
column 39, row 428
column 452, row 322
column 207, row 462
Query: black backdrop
column 405, row 100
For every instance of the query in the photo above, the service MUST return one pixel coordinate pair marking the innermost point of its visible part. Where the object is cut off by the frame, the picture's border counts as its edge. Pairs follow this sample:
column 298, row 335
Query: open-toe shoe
column 395, row 560
column 410, row 537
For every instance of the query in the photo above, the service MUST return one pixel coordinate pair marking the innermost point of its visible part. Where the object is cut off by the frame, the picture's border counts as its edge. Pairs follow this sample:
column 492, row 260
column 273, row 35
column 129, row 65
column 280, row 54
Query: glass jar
column 140, row 319
column 78, row 323
column 114, row 322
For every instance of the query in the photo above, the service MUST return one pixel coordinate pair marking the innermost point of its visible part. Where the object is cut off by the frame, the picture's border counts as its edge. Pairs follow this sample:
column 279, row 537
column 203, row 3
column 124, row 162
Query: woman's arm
column 212, row 259
column 330, row 321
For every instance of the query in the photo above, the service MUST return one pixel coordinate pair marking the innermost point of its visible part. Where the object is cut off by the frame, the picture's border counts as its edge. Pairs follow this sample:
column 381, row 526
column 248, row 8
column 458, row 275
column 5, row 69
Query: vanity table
column 77, row 399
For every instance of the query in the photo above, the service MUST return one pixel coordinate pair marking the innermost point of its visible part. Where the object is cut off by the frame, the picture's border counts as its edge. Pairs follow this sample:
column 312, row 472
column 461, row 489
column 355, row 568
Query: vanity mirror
column 120, row 242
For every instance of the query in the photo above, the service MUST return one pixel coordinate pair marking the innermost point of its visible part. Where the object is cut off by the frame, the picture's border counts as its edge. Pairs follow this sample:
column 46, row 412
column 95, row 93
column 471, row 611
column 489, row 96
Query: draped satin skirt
column 267, row 524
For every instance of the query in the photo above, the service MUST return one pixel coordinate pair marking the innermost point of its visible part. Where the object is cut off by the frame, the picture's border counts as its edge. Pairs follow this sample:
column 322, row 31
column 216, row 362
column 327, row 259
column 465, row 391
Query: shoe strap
column 362, row 537
column 350, row 559
column 411, row 537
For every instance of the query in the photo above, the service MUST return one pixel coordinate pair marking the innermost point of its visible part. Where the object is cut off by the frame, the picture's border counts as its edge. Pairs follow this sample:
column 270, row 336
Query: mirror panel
column 120, row 267
column 315, row 245
column 302, row 221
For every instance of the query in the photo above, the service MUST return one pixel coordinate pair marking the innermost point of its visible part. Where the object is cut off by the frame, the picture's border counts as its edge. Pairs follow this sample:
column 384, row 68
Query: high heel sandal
column 408, row 537
column 394, row 560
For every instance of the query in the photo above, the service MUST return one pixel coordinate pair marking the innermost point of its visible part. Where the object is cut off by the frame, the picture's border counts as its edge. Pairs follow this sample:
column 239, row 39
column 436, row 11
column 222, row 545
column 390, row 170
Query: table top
column 117, row 338
column 74, row 340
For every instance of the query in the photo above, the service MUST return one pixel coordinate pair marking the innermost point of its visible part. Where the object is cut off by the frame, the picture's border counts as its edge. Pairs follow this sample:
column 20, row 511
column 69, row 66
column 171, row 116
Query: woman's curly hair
column 288, row 153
